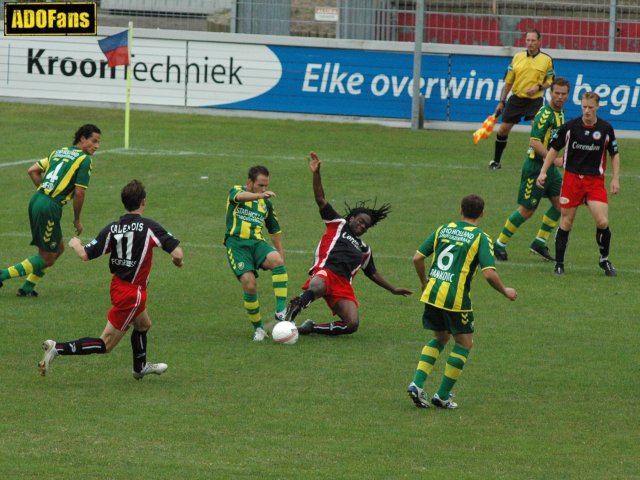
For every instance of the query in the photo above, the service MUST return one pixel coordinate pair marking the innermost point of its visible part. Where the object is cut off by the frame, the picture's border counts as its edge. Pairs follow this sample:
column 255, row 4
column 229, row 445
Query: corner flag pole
column 127, row 108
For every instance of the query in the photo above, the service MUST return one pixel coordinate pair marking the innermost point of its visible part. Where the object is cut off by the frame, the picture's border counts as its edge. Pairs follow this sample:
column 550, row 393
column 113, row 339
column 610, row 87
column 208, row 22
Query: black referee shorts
column 518, row 108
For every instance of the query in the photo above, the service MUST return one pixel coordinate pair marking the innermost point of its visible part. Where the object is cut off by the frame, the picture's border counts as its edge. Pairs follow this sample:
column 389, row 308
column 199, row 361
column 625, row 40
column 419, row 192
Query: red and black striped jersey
column 585, row 146
column 340, row 250
column 130, row 241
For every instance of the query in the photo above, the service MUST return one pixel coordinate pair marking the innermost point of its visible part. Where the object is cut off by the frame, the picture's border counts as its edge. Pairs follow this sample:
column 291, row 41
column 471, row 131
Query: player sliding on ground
column 339, row 256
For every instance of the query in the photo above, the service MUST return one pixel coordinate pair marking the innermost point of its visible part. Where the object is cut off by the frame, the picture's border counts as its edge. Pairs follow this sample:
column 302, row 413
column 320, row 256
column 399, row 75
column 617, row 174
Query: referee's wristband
column 501, row 101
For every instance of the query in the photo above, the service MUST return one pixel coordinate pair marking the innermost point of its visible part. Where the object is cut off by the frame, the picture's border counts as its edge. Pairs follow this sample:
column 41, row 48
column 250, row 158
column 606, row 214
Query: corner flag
column 116, row 48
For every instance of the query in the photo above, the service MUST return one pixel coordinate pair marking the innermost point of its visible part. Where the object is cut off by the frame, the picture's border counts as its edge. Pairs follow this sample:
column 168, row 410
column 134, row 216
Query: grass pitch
column 550, row 390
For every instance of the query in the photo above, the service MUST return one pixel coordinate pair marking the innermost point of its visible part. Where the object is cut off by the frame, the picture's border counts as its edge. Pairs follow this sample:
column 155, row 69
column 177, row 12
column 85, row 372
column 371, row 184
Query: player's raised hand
column 314, row 162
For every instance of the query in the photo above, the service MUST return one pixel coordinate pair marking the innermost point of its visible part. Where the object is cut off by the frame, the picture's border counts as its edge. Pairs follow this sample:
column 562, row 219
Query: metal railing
column 596, row 25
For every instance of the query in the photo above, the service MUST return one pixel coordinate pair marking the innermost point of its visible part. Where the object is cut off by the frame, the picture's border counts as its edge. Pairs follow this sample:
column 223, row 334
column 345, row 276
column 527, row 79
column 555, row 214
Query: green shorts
column 440, row 320
column 246, row 255
column 529, row 194
column 44, row 216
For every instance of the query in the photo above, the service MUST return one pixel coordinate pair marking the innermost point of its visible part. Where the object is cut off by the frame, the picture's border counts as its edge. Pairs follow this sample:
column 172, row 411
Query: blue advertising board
column 342, row 82
column 456, row 87
column 230, row 72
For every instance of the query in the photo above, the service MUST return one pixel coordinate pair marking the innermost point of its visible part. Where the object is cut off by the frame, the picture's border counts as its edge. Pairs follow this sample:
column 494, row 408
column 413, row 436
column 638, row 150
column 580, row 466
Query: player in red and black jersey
column 586, row 141
column 130, row 242
column 339, row 256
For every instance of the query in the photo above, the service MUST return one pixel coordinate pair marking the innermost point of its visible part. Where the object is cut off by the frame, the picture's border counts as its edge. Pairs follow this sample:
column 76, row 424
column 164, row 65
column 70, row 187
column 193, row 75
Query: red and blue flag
column 116, row 48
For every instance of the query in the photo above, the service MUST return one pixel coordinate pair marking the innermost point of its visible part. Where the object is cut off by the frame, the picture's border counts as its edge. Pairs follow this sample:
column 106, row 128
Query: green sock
column 280, row 280
column 26, row 267
column 428, row 358
column 549, row 222
column 510, row 227
column 32, row 280
column 453, row 370
column 252, row 306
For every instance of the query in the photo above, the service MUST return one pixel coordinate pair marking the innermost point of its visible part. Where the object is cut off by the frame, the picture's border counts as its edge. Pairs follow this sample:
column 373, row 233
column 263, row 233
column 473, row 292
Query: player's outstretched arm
column 384, row 283
column 76, row 245
column 318, row 189
column 177, row 256
column 494, row 280
column 250, row 196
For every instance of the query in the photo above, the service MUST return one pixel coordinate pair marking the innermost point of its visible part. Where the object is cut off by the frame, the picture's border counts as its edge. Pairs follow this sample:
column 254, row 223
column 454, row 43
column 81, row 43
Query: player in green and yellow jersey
column 546, row 122
column 249, row 211
column 458, row 249
column 60, row 178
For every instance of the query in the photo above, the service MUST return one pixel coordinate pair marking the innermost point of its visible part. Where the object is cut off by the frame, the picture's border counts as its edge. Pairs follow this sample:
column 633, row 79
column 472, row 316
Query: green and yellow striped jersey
column 458, row 248
column 546, row 122
column 63, row 170
column 245, row 220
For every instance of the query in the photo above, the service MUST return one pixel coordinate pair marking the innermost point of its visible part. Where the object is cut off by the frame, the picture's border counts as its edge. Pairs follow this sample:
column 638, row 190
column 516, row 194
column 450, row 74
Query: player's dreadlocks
column 376, row 214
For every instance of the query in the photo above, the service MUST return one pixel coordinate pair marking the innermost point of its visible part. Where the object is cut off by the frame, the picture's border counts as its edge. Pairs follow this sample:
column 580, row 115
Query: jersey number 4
column 52, row 177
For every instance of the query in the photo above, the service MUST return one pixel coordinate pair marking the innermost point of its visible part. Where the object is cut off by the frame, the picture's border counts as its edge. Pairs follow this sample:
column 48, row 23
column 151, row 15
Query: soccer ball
column 285, row 332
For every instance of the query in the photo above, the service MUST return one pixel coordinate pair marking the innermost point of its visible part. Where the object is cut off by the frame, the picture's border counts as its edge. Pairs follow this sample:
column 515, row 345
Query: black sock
column 501, row 144
column 334, row 328
column 307, row 297
column 82, row 346
column 603, row 237
column 562, row 240
column 299, row 303
column 139, row 348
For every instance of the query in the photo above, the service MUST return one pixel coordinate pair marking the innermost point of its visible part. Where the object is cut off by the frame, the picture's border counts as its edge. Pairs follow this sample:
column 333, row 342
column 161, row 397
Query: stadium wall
column 314, row 76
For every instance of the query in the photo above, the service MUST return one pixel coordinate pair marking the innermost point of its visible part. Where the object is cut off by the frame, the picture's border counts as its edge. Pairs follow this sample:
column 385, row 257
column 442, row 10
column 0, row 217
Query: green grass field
column 550, row 391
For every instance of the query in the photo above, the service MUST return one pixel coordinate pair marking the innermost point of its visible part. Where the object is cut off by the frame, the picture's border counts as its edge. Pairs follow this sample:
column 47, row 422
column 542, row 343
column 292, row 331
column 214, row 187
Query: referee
column 528, row 76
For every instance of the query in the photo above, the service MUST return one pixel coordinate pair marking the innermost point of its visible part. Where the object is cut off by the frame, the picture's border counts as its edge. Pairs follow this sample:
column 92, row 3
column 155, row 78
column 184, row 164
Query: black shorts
column 518, row 108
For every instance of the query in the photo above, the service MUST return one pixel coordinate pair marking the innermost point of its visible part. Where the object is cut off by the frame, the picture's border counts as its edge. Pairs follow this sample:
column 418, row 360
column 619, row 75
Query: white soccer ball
column 285, row 332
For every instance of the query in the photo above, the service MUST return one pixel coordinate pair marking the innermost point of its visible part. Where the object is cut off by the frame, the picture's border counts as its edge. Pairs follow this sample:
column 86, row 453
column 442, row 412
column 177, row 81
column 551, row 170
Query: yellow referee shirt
column 527, row 70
